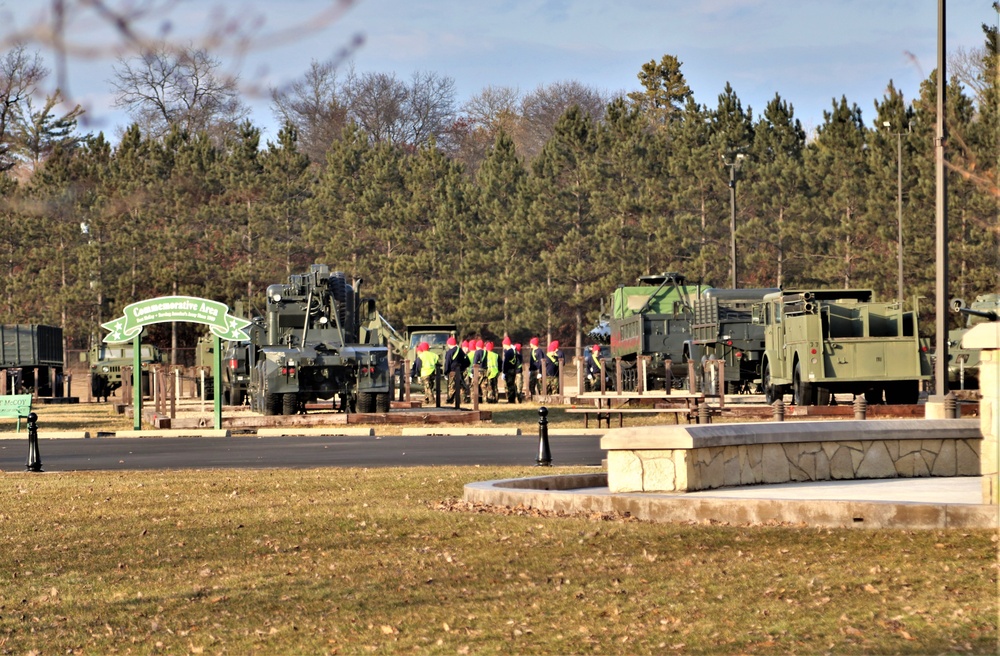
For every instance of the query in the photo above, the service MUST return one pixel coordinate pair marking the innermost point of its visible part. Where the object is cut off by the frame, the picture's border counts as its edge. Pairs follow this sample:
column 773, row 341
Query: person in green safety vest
column 491, row 376
column 425, row 365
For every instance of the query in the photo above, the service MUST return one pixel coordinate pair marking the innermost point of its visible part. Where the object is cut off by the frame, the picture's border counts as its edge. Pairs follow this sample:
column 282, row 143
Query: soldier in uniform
column 467, row 373
column 425, row 365
column 511, row 366
column 551, row 363
column 535, row 356
column 478, row 359
column 519, row 377
column 593, row 369
column 490, row 376
column 455, row 364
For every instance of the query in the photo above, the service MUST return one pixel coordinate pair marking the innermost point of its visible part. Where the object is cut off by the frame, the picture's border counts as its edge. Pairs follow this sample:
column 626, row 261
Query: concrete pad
column 439, row 430
column 175, row 432
column 332, row 431
column 926, row 503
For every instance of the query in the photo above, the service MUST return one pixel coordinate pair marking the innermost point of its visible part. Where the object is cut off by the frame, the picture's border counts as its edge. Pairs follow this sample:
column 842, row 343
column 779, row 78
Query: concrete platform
column 910, row 503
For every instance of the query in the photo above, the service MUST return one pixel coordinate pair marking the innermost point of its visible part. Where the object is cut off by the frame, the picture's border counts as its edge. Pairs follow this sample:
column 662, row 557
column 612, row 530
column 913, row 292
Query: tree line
column 517, row 213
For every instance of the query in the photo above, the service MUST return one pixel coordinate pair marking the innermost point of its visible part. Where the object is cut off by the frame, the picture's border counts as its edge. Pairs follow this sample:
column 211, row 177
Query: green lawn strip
column 353, row 560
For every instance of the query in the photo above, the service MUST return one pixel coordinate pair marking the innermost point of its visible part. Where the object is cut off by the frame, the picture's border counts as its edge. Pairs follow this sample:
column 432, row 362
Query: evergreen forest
column 497, row 222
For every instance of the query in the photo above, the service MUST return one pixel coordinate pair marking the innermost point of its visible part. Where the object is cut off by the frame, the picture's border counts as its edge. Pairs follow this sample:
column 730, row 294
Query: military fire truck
column 823, row 342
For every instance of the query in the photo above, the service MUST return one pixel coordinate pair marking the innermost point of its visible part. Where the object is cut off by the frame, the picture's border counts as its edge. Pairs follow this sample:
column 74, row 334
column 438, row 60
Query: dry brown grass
column 377, row 561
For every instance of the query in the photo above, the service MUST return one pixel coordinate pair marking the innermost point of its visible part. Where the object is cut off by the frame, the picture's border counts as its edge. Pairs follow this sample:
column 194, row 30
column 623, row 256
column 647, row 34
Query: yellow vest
column 428, row 363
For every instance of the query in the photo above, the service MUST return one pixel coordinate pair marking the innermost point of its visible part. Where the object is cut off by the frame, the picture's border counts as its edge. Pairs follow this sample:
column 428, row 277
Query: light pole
column 899, row 211
column 734, row 166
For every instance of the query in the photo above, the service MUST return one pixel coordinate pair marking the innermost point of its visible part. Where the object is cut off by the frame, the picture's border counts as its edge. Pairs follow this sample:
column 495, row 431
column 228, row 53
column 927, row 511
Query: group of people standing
column 461, row 359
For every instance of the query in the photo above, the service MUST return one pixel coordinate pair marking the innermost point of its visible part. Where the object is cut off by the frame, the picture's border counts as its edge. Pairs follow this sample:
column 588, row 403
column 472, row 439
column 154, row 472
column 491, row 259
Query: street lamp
column 734, row 166
column 899, row 211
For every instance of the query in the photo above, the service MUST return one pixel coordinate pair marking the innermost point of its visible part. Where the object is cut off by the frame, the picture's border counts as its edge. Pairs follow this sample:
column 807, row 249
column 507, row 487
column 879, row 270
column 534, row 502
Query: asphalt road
column 295, row 452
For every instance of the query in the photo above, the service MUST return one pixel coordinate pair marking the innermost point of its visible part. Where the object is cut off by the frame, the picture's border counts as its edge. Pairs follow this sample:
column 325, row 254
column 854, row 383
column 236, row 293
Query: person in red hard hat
column 535, row 356
column 426, row 365
column 455, row 364
column 467, row 346
column 593, row 369
column 491, row 374
column 553, row 356
column 510, row 364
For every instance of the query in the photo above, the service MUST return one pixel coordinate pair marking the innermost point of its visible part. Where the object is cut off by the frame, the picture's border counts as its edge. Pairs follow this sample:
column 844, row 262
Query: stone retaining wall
column 683, row 458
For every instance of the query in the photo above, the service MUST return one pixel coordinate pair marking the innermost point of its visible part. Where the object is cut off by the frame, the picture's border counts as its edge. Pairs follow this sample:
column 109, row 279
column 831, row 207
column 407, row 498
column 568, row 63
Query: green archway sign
column 167, row 309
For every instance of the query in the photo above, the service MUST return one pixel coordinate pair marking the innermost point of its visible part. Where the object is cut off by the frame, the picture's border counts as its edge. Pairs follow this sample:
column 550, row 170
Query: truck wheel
column 366, row 402
column 382, row 401
column 272, row 404
column 803, row 392
column 290, row 403
column 765, row 380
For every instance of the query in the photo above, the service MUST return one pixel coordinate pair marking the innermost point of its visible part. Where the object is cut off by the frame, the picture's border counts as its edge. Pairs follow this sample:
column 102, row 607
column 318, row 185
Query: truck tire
column 290, row 403
column 366, row 402
column 873, row 396
column 382, row 401
column 804, row 393
column 272, row 404
column 770, row 394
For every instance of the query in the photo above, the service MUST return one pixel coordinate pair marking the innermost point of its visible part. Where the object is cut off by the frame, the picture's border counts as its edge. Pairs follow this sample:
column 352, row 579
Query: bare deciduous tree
column 21, row 73
column 541, row 108
column 165, row 88
column 314, row 106
column 481, row 119
column 409, row 115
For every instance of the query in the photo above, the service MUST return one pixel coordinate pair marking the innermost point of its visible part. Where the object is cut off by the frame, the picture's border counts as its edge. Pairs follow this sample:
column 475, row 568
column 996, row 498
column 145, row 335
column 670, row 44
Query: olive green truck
column 823, row 342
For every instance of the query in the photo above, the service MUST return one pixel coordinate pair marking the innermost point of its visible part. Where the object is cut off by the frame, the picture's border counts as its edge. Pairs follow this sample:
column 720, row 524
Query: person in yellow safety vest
column 426, row 366
column 491, row 377
column 551, row 363
column 593, row 369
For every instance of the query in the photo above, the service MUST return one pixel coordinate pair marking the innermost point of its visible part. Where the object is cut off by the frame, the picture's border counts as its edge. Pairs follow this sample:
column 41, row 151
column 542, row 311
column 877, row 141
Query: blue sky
column 809, row 51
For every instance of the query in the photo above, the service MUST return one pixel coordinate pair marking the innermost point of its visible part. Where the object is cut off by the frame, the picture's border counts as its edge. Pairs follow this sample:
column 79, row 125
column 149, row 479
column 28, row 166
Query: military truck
column 963, row 363
column 320, row 341
column 823, row 342
column 106, row 362
column 653, row 319
column 722, row 328
column 31, row 357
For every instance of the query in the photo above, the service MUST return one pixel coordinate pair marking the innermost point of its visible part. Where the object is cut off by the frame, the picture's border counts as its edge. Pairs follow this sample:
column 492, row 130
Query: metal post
column 544, row 455
column 437, row 386
column 34, row 462
column 899, row 215
column 732, row 220
column 941, row 219
column 860, row 408
column 778, row 410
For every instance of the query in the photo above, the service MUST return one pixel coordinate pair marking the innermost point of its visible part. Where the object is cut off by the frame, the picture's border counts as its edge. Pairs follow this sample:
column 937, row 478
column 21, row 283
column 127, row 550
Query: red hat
column 553, row 346
column 533, row 341
column 465, row 343
column 595, row 347
column 451, row 341
column 517, row 347
column 423, row 346
column 489, row 346
column 479, row 344
column 506, row 341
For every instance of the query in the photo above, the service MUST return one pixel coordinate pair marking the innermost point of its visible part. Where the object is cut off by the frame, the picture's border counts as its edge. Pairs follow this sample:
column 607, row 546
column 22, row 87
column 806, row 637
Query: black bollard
column 544, row 455
column 437, row 386
column 34, row 462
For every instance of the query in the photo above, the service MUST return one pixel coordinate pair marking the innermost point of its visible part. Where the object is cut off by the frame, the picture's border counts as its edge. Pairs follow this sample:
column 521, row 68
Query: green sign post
column 166, row 309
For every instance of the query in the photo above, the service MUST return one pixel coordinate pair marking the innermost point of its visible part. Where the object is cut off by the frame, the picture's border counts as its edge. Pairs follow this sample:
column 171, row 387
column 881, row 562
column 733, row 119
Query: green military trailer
column 31, row 358
column 963, row 363
column 653, row 319
column 823, row 342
